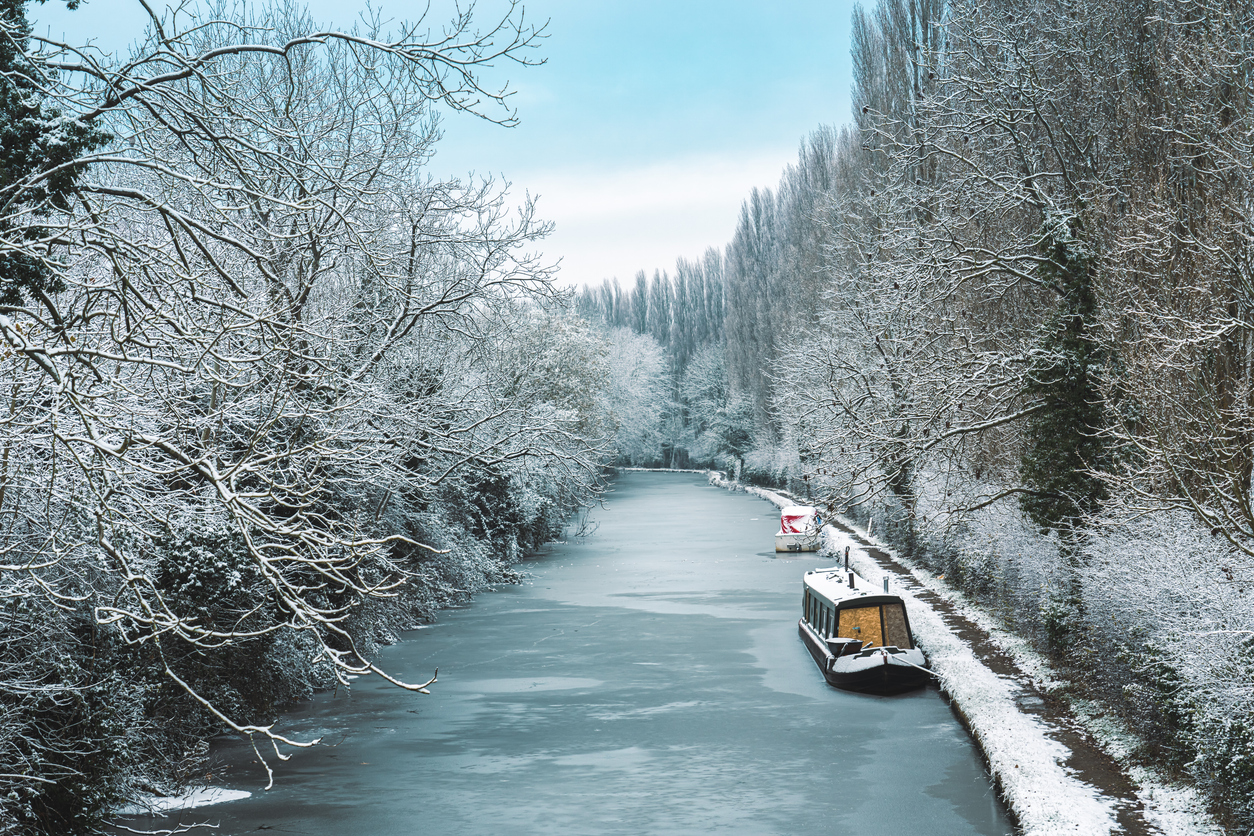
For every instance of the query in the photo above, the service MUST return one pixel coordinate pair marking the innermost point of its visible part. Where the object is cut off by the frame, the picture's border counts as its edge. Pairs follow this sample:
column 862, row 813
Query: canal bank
column 1045, row 760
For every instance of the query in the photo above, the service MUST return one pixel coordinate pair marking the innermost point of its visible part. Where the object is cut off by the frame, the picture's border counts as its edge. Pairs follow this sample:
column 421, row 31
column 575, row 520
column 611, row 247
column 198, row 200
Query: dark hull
column 886, row 676
column 881, row 679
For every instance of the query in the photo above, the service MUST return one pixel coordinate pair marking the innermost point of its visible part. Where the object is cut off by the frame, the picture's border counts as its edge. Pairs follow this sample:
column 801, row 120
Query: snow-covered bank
column 1026, row 758
column 1172, row 809
column 162, row 805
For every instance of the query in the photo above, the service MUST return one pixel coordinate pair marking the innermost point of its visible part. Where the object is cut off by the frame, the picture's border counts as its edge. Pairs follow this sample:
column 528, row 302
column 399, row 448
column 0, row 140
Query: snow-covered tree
column 635, row 395
column 256, row 356
column 720, row 421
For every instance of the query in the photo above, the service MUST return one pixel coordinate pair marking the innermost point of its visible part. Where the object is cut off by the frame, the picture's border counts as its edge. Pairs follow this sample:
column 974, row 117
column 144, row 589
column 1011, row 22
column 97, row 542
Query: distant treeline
column 682, row 312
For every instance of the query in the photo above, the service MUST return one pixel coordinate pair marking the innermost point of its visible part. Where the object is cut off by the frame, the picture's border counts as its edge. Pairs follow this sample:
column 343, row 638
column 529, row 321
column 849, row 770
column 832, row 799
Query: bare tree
column 964, row 293
column 1179, row 315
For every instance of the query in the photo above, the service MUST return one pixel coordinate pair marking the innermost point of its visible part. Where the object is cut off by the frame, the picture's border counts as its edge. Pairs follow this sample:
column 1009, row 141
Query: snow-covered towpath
column 1052, row 775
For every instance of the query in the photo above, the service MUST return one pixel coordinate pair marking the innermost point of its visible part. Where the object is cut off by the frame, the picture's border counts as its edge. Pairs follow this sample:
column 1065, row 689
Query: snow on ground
column 161, row 805
column 1036, row 666
column 1174, row 809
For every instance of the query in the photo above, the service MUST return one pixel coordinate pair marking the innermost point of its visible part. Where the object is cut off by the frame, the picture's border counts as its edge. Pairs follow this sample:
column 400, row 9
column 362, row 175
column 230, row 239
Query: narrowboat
column 799, row 528
column 859, row 635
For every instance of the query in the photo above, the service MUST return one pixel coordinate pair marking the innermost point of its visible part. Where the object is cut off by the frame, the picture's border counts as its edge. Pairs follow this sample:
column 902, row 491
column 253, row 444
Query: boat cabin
column 799, row 519
column 858, row 635
column 837, row 607
column 878, row 621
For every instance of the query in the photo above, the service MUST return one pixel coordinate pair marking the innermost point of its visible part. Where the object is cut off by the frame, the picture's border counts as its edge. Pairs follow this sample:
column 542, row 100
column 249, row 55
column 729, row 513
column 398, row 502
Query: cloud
column 613, row 223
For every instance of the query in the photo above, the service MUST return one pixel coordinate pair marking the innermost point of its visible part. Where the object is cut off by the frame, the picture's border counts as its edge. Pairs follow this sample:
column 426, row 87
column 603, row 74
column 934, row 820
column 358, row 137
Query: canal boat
column 799, row 529
column 859, row 635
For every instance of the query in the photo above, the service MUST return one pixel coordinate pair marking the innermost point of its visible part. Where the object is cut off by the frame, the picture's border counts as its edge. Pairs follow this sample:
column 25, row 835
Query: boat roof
column 833, row 584
column 797, row 510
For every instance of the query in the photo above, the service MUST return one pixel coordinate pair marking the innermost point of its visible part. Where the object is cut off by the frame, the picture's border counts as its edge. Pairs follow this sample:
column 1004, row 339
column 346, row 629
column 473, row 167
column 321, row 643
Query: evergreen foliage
column 1064, row 447
column 40, row 147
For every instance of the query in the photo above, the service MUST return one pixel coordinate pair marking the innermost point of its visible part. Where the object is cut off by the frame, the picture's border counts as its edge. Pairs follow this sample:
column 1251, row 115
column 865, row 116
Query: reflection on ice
column 645, row 711
column 632, row 757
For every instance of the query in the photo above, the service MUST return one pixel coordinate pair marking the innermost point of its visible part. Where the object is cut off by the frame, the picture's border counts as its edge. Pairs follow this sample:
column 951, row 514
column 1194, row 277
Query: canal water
column 646, row 679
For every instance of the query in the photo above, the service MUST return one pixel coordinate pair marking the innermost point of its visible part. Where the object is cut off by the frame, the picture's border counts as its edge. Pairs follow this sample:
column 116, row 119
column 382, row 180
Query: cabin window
column 895, row 630
column 862, row 623
column 875, row 625
column 829, row 622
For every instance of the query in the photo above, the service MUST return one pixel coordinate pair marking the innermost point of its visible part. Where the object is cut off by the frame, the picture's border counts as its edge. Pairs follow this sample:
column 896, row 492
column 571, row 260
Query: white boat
column 859, row 635
column 799, row 527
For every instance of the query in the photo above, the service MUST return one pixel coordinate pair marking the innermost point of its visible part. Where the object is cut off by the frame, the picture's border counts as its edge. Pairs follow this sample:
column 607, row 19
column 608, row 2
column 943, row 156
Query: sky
column 644, row 130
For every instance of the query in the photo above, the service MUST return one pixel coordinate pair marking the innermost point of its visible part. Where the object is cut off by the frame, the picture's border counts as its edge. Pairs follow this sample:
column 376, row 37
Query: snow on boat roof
column 833, row 584
column 797, row 510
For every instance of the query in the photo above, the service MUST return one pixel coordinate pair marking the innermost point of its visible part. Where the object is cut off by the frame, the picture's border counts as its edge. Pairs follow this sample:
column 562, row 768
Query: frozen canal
column 646, row 680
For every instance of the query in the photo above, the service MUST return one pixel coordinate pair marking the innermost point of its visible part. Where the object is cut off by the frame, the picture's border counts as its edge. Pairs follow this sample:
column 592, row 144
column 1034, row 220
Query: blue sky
column 647, row 126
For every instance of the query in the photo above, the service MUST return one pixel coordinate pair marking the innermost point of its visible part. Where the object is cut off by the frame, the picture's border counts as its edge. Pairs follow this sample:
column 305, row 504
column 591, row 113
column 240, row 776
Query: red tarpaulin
column 797, row 519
